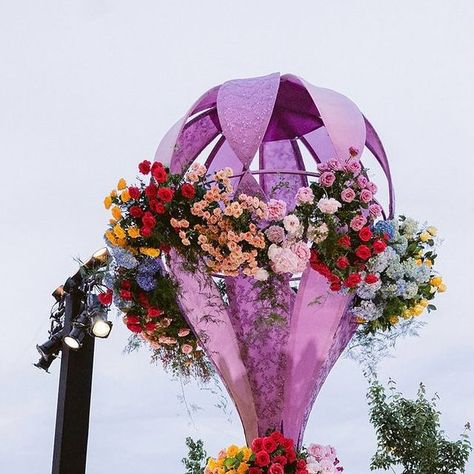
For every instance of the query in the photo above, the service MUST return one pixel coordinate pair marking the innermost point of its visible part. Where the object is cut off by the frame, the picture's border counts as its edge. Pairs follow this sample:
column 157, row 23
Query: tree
column 409, row 434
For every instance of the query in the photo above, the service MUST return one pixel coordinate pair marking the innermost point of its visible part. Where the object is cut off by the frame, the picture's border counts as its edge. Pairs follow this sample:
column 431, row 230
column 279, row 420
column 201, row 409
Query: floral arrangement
column 274, row 454
column 335, row 226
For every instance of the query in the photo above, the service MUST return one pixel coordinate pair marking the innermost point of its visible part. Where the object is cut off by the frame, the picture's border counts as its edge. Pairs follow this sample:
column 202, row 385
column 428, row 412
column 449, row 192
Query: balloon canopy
column 272, row 367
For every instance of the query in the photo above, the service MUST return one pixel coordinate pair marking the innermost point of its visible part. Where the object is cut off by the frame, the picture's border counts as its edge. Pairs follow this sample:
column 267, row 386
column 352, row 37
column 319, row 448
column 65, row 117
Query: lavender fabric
column 273, row 355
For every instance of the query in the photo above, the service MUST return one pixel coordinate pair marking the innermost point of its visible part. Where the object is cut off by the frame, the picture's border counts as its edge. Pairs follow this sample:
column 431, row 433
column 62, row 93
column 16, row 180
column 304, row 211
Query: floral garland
column 336, row 227
column 275, row 454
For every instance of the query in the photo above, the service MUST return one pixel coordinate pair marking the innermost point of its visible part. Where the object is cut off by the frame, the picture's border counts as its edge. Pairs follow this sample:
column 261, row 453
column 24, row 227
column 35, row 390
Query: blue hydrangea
column 384, row 227
column 146, row 281
column 368, row 310
column 400, row 245
column 409, row 227
column 424, row 273
column 109, row 279
column 150, row 265
column 395, row 270
column 368, row 291
column 401, row 287
column 411, row 290
column 411, row 268
column 123, row 258
column 389, row 290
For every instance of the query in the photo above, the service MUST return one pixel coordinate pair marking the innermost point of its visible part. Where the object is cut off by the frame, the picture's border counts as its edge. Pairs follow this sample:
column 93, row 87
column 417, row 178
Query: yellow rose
column 436, row 281
column 360, row 320
column 425, row 236
column 428, row 262
column 125, row 196
column 418, row 309
column 243, row 468
column 107, row 202
column 150, row 252
column 116, row 213
column 119, row 232
column 112, row 221
column 407, row 313
column 393, row 319
column 442, row 288
column 109, row 235
column 247, row 452
column 122, row 184
column 134, row 232
column 424, row 303
column 432, row 230
column 113, row 193
column 232, row 450
column 419, row 261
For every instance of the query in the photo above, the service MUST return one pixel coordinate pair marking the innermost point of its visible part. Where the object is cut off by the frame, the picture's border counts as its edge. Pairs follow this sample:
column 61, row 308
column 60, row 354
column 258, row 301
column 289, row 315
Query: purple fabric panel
column 202, row 305
column 249, row 185
column 375, row 146
column 341, row 117
column 316, row 316
column 262, row 342
column 244, row 107
column 283, row 154
column 206, row 101
column 319, row 142
column 194, row 137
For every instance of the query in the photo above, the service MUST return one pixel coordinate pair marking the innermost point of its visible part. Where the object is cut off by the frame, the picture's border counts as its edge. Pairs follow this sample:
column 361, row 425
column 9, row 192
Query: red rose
column 335, row 286
column 371, row 278
column 151, row 191
column 280, row 459
column 132, row 319
column 277, row 437
column 143, row 299
column 363, row 252
column 255, row 470
column 365, row 234
column 291, row 456
column 302, row 471
column 262, row 458
column 344, row 241
column 105, row 298
column 134, row 327
column 150, row 327
column 353, row 151
column 301, row 464
column 125, row 285
column 126, row 294
column 269, row 445
column 144, row 167
column 352, row 280
column 146, row 231
column 165, row 248
column 157, row 206
column 148, row 220
column 379, row 246
column 323, row 269
column 187, row 191
column 276, row 469
column 288, row 443
column 136, row 212
column 154, row 312
column 159, row 173
column 257, row 445
column 342, row 262
column 134, row 192
column 165, row 194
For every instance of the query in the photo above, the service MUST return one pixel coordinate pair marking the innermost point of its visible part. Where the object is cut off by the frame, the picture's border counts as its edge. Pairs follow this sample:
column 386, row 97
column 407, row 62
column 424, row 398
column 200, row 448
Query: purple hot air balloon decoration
column 259, row 127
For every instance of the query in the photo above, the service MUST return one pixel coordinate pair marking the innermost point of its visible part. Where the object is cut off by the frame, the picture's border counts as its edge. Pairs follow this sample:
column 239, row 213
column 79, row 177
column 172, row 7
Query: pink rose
column 354, row 167
column 327, row 179
column 291, row 224
column 328, row 206
column 323, row 167
column 283, row 259
column 304, row 196
column 186, row 348
column 358, row 222
column 183, row 332
column 348, row 195
column 362, row 181
column 366, row 196
column 336, row 165
column 276, row 209
column 301, row 250
column 372, row 187
column 275, row 234
column 375, row 210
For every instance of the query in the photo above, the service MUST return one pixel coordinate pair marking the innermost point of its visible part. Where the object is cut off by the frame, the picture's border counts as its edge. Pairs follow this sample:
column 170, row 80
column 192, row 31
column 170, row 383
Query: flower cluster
column 272, row 454
column 405, row 281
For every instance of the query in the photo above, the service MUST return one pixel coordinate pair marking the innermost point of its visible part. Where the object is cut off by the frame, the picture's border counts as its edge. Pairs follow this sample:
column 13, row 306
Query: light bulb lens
column 101, row 328
column 72, row 343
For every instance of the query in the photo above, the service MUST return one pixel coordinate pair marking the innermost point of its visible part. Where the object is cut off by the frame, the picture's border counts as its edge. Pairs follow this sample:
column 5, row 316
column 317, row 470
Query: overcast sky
column 88, row 88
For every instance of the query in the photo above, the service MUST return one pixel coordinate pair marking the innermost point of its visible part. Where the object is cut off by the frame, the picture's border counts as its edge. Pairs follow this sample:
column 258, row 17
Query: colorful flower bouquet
column 335, row 226
column 275, row 454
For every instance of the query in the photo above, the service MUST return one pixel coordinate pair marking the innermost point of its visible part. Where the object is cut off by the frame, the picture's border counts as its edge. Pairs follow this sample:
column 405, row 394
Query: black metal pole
column 74, row 396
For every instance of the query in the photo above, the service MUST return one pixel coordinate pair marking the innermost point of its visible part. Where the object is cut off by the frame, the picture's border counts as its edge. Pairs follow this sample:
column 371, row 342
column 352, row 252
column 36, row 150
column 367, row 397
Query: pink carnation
column 283, row 259
column 375, row 210
column 327, row 178
column 291, row 223
column 366, row 196
column 362, row 181
column 358, row 222
column 372, row 187
column 348, row 195
column 186, row 348
column 304, row 196
column 301, row 250
column 276, row 209
column 275, row 234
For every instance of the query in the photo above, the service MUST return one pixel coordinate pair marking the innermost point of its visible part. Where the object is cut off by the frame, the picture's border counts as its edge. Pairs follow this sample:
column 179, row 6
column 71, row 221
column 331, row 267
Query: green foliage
column 409, row 434
column 195, row 462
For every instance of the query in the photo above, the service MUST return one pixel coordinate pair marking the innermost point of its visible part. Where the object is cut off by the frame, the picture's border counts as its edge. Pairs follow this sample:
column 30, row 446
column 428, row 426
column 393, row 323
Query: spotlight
column 98, row 259
column 49, row 350
column 74, row 339
column 100, row 326
column 45, row 362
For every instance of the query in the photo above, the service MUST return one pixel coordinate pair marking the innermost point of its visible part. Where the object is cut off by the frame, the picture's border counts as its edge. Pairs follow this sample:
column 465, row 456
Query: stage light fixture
column 74, row 339
column 100, row 326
